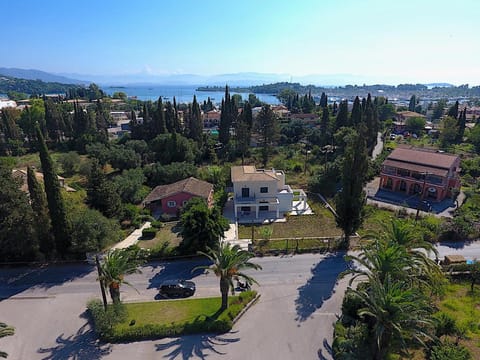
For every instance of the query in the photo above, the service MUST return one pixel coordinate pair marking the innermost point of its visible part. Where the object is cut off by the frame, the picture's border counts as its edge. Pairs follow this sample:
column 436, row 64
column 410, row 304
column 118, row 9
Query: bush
column 104, row 321
column 161, row 250
column 157, row 224
column 449, row 351
column 149, row 233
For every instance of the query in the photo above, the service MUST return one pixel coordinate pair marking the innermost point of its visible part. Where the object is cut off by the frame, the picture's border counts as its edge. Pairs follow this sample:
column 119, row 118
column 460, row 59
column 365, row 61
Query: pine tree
column 356, row 115
column 56, row 206
column 351, row 199
column 101, row 193
column 39, row 206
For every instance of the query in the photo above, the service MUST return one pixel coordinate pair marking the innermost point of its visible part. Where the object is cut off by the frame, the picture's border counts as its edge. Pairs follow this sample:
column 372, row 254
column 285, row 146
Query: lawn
column 463, row 306
column 169, row 233
column 154, row 320
column 322, row 224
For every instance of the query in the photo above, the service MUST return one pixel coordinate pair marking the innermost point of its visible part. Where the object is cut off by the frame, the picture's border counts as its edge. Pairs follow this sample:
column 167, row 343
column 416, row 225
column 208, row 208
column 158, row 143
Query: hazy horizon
column 371, row 41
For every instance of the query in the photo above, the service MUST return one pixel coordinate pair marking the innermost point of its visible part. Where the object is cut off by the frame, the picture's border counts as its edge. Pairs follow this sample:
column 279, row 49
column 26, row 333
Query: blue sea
column 183, row 94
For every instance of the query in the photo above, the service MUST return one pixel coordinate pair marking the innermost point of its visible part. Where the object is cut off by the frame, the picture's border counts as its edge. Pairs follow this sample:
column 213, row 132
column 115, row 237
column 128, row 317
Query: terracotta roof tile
column 424, row 158
column 191, row 185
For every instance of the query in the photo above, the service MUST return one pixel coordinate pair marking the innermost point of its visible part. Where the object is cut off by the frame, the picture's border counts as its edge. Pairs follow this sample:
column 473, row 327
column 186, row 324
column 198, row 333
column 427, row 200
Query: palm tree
column 228, row 261
column 5, row 330
column 116, row 264
column 398, row 313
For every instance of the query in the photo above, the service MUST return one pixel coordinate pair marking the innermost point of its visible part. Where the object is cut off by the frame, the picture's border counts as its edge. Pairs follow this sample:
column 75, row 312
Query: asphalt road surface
column 300, row 299
column 293, row 319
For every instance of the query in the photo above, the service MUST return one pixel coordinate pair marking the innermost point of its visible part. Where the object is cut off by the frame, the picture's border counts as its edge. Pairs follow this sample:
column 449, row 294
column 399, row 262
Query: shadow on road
column 82, row 345
column 320, row 286
column 328, row 349
column 16, row 280
column 200, row 346
column 175, row 270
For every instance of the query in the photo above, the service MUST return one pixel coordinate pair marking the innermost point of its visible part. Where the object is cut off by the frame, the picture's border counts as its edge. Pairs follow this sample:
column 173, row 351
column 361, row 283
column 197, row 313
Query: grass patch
column 167, row 234
column 299, row 245
column 463, row 306
column 321, row 224
column 154, row 320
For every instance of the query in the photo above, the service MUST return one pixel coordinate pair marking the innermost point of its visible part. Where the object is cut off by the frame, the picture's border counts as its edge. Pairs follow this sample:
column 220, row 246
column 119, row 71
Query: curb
column 244, row 310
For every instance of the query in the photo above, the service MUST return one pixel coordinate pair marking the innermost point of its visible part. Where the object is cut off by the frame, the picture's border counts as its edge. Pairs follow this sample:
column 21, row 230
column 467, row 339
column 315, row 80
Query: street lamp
column 421, row 194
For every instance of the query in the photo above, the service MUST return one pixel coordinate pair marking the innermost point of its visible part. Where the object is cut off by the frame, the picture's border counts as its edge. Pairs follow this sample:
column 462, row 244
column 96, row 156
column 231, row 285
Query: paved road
column 293, row 318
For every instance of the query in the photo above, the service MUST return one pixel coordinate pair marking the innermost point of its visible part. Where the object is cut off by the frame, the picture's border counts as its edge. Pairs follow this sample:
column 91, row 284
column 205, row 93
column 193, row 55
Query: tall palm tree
column 228, row 261
column 398, row 313
column 116, row 264
column 5, row 330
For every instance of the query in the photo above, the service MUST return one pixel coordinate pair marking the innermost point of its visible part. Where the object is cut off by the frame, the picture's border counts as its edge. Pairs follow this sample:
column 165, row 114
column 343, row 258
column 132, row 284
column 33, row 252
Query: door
column 245, row 192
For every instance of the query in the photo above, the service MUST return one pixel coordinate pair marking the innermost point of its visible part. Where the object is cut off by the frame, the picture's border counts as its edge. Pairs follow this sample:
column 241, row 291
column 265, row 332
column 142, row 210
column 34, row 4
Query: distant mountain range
column 32, row 74
column 234, row 79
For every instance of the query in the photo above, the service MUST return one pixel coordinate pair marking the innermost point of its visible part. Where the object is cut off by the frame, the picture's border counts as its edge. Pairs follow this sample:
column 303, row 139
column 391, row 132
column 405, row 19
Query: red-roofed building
column 413, row 171
column 169, row 199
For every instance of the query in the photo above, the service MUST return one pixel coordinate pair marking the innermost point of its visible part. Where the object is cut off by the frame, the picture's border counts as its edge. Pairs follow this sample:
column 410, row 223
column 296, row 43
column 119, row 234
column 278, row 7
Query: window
column 263, row 208
column 245, row 192
column 264, row 189
column 171, row 204
column 184, row 202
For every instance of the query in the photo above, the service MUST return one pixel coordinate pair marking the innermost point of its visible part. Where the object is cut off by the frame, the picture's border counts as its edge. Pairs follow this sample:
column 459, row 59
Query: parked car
column 177, row 288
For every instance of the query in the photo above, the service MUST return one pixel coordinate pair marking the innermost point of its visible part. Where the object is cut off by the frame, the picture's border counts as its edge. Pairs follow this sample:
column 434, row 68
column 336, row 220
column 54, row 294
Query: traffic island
column 166, row 318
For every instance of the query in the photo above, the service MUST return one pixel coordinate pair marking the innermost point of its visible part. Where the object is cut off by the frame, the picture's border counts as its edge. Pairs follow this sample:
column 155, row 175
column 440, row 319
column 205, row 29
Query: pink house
column 169, row 199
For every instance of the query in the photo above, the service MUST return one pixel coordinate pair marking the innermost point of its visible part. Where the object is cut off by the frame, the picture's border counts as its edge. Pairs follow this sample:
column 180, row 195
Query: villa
column 262, row 191
column 433, row 175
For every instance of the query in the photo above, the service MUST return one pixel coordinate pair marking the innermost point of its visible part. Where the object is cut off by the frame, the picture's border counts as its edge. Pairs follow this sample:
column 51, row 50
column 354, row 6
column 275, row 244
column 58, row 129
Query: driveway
column 293, row 318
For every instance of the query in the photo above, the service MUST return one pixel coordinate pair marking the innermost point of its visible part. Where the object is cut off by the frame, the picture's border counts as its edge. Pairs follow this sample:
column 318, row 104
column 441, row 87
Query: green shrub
column 449, row 351
column 157, row 224
column 146, row 217
column 104, row 321
column 161, row 250
column 444, row 324
column 149, row 233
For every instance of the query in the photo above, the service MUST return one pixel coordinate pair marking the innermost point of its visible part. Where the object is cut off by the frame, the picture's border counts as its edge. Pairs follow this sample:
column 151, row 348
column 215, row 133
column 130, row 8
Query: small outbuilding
column 454, row 259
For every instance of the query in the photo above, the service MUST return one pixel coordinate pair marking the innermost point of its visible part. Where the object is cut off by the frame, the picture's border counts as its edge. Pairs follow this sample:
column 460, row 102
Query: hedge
column 149, row 233
column 105, row 323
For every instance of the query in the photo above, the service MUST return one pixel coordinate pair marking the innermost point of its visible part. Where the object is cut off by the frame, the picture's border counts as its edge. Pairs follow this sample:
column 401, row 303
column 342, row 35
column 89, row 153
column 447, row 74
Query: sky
column 382, row 41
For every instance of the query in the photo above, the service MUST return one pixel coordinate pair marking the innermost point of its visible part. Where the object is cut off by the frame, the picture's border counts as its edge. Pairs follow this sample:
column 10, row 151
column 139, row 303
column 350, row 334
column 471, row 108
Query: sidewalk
column 131, row 239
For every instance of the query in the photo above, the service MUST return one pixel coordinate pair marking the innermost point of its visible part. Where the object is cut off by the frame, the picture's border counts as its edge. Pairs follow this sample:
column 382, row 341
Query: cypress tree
column 356, row 115
column 267, row 126
column 342, row 115
column 413, row 103
column 225, row 119
column 351, row 200
column 195, row 122
column 160, row 123
column 371, row 124
column 323, row 100
column 324, row 124
column 453, row 111
column 56, row 206
column 39, row 206
column 101, row 122
column 462, row 120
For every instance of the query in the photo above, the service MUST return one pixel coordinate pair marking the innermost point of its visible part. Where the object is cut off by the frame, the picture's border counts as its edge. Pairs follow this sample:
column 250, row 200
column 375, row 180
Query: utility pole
column 102, row 288
column 421, row 195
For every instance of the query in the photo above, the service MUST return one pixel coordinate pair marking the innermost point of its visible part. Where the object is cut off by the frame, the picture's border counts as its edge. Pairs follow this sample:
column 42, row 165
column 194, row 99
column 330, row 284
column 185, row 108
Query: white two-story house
column 260, row 190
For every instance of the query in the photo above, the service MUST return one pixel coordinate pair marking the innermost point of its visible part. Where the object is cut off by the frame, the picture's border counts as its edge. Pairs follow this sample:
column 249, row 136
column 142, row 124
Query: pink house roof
column 191, row 186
